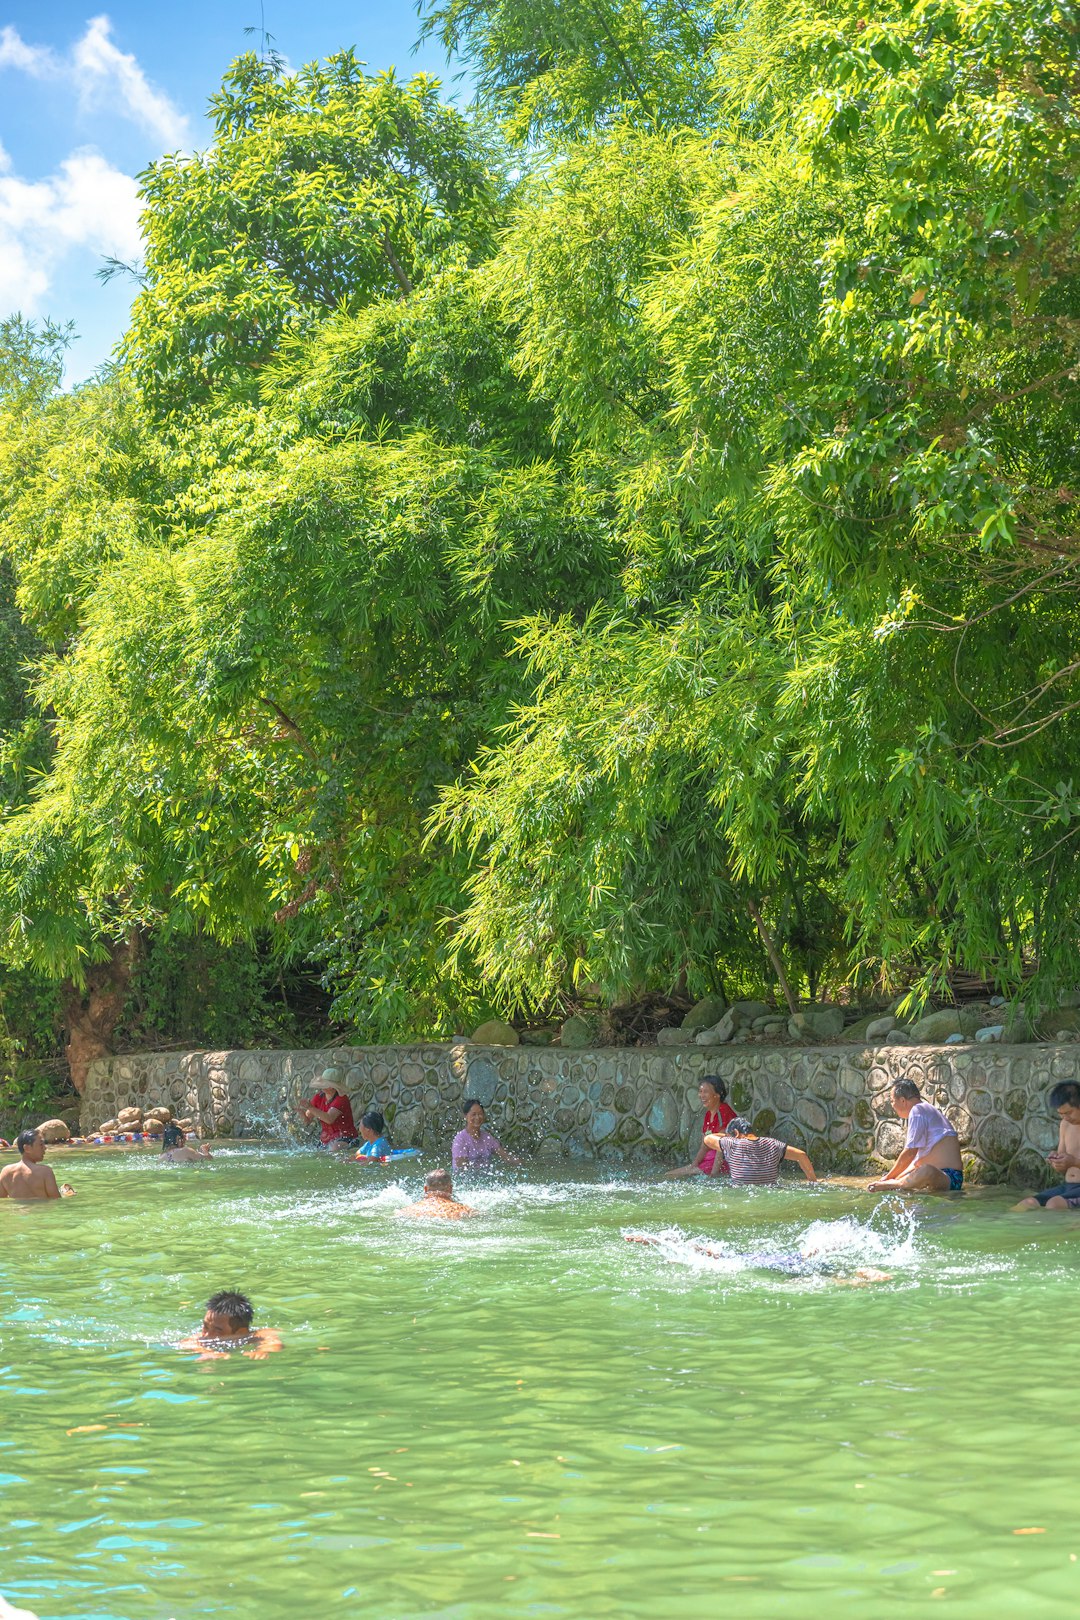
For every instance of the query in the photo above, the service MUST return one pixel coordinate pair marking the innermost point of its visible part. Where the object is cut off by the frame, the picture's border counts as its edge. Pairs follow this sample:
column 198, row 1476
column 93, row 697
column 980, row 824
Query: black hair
column 1068, row 1092
column 235, row 1307
column 907, row 1090
column 25, row 1139
column 375, row 1122
column 438, row 1181
column 173, row 1136
column 718, row 1085
column 472, row 1102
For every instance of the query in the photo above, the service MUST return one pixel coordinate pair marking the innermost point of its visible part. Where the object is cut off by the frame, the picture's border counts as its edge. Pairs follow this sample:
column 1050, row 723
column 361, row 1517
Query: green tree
column 324, row 190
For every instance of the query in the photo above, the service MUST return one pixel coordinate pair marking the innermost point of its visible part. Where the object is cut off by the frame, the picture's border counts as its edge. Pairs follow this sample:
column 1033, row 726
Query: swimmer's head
column 739, row 1127
column 1066, row 1100
column 712, row 1090
column 905, row 1094
column 173, row 1137
column 228, row 1315
column 473, row 1110
column 372, row 1125
column 31, row 1144
column 438, row 1183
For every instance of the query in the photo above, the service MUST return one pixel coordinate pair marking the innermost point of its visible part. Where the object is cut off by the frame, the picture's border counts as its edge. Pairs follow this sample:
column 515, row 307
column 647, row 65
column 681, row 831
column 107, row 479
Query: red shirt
column 343, row 1125
column 715, row 1125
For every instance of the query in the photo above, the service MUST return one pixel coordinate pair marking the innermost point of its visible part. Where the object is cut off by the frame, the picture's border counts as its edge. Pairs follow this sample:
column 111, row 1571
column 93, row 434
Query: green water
column 523, row 1415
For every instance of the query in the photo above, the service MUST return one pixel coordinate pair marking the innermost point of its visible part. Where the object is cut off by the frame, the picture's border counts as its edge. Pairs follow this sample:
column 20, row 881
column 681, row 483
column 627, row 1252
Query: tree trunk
column 773, row 955
column 92, row 1011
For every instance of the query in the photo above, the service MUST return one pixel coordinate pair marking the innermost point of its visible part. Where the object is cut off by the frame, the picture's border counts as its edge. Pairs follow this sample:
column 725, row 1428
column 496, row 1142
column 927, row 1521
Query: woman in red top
column 718, row 1116
column 331, row 1110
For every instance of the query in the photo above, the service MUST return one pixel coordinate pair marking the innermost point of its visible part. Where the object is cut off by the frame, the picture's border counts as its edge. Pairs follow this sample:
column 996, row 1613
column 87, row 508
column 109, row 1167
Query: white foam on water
column 887, row 1241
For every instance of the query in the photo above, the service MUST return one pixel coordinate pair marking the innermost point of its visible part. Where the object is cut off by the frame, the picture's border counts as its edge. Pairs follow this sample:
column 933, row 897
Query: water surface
column 522, row 1415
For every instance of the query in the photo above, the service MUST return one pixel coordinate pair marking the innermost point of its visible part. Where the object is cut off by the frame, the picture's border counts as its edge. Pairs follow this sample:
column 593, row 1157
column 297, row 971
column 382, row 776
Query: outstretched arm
column 802, row 1160
column 904, row 1162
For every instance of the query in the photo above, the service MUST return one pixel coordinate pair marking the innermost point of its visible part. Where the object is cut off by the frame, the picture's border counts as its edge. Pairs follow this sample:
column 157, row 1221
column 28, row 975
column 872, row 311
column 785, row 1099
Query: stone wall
column 632, row 1106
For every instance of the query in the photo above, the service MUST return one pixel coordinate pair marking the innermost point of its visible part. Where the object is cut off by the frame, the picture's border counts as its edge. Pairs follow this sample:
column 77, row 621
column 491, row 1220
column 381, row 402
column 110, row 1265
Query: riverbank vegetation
column 621, row 537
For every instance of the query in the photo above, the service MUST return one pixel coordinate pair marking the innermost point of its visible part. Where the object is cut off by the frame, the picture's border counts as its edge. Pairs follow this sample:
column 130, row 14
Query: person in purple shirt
column 474, row 1145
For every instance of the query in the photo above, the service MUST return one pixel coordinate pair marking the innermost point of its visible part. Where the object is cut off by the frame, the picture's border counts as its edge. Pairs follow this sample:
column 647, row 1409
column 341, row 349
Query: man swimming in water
column 31, row 1177
column 176, row 1149
column 806, row 1261
column 931, row 1159
column 227, row 1326
column 438, row 1200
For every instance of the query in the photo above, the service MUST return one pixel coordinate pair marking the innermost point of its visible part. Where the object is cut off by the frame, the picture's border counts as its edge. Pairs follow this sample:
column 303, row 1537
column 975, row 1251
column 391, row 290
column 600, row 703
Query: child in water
column 376, row 1143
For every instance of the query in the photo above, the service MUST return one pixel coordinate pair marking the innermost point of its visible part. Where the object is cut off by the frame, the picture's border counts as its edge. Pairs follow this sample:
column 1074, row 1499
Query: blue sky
column 89, row 96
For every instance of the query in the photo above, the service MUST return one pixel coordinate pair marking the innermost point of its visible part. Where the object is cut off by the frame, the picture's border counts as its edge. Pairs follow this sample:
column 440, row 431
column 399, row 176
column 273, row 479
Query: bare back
column 27, row 1181
column 437, row 1208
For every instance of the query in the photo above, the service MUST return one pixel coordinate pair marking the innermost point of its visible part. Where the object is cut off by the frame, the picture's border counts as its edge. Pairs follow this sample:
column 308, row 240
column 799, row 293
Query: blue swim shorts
column 956, row 1178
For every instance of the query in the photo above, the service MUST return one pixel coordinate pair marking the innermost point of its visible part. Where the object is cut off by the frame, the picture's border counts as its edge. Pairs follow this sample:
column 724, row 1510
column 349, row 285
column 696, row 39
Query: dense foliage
column 637, row 555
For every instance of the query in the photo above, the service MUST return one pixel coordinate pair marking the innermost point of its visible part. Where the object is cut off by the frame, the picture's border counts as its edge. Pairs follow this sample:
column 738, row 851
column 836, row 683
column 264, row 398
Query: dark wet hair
column 235, row 1307
column 738, row 1127
column 1067, row 1093
column 173, row 1136
column 472, row 1102
column 25, row 1139
column 907, row 1090
column 438, row 1181
column 374, row 1122
column 718, row 1085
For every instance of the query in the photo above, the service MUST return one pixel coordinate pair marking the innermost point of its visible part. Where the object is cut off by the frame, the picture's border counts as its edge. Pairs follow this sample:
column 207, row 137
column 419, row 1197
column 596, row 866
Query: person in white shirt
column 931, row 1159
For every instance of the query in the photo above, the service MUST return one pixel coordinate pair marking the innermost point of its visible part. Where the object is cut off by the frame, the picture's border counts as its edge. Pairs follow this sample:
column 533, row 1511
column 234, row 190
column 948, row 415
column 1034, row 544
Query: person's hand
column 67, row 1190
column 879, row 1186
column 1062, row 1161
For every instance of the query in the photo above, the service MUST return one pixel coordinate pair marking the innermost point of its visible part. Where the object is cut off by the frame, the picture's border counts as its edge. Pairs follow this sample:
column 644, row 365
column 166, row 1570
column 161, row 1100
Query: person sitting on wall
column 227, row 1326
column 376, row 1143
column 177, row 1150
column 718, row 1116
column 438, row 1200
column 331, row 1110
column 31, row 1177
column 754, row 1161
column 931, row 1159
column 474, row 1145
column 1065, row 1159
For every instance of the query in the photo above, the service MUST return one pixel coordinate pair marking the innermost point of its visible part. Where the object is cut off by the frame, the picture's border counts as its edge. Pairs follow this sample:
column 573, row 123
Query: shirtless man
column 438, row 1200
column 1065, row 1159
column 227, row 1326
column 931, row 1159
column 31, row 1178
column 175, row 1149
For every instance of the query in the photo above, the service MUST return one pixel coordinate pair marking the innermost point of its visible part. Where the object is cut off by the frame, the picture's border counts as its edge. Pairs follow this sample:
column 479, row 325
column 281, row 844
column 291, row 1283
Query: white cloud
column 85, row 204
column 37, row 60
column 102, row 75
